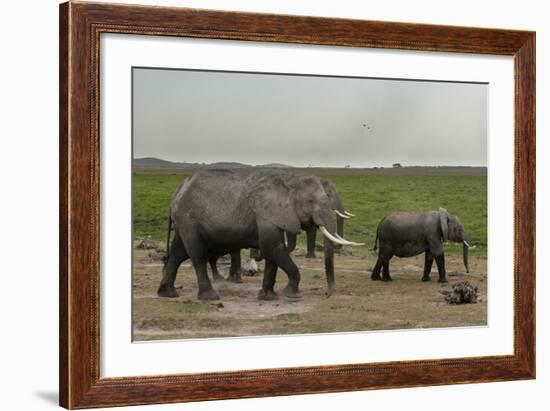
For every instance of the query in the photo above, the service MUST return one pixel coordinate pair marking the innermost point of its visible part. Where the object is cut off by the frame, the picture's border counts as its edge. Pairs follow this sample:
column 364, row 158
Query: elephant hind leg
column 178, row 254
column 198, row 253
column 206, row 292
column 376, row 270
column 428, row 262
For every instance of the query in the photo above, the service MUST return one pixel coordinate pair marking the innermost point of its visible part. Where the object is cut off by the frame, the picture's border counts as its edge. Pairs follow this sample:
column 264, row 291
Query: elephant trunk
column 329, row 265
column 328, row 251
column 340, row 226
column 465, row 255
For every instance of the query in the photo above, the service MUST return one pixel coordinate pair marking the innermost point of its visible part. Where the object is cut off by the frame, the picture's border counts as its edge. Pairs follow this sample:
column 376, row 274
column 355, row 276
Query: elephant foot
column 375, row 277
column 388, row 278
column 208, row 295
column 169, row 292
column 267, row 295
column 217, row 278
column 311, row 255
column 292, row 292
column 442, row 280
column 426, row 278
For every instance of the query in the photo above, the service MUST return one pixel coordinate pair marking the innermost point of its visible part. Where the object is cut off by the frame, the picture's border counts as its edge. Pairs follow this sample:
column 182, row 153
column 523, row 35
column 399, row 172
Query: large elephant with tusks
column 216, row 212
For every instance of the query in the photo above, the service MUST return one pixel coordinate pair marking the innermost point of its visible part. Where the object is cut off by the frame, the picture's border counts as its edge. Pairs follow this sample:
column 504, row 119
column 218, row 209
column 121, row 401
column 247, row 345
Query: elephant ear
column 271, row 199
column 334, row 198
column 444, row 221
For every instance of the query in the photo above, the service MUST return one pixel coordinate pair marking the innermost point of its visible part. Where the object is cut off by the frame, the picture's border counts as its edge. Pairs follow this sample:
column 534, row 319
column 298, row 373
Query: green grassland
column 370, row 197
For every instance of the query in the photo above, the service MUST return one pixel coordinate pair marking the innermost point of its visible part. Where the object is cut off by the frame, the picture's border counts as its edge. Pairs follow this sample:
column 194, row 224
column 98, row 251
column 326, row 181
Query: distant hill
column 275, row 165
column 223, row 164
column 152, row 162
column 157, row 163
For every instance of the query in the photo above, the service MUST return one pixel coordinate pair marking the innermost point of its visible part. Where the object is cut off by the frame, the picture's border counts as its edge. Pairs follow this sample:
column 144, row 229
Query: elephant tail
column 375, row 247
column 170, row 227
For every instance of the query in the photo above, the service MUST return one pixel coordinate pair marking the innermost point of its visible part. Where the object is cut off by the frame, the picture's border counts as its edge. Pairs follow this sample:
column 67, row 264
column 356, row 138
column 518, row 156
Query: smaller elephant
column 408, row 233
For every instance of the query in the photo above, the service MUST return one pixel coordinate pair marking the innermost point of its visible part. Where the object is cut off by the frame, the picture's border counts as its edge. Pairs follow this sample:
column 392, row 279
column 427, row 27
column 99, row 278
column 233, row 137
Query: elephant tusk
column 349, row 214
column 331, row 237
column 466, row 244
column 347, row 241
column 337, row 239
column 341, row 215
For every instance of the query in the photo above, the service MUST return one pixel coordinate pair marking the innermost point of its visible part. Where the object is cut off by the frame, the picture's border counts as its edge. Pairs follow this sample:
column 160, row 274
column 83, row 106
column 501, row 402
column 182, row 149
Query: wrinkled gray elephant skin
column 216, row 212
column 311, row 232
column 407, row 234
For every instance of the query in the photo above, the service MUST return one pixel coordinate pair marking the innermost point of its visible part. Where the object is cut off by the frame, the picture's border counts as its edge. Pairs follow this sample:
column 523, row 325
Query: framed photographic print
column 258, row 205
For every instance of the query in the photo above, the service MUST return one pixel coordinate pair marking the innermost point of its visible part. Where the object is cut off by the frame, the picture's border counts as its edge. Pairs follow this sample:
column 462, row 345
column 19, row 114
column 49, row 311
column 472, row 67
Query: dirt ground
column 357, row 304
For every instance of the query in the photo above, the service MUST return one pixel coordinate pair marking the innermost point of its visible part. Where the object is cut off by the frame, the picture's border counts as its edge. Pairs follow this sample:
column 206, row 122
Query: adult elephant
column 407, row 233
column 216, row 212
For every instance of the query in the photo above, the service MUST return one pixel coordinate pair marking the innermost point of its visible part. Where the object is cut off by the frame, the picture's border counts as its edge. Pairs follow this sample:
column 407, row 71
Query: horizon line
column 402, row 165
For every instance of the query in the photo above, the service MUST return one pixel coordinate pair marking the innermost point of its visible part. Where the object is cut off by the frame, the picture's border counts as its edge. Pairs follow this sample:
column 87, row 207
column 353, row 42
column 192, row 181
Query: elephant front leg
column 268, row 283
column 198, row 253
column 428, row 262
column 440, row 261
column 283, row 260
column 386, row 269
column 235, row 268
column 280, row 258
column 311, row 234
column 274, row 252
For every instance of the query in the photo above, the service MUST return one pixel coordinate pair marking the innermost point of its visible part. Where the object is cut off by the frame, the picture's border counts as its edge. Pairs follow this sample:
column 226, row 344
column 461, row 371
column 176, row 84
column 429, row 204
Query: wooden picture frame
column 80, row 27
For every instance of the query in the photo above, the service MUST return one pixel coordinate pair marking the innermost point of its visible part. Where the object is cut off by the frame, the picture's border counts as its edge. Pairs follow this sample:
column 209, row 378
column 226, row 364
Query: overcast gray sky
column 198, row 116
